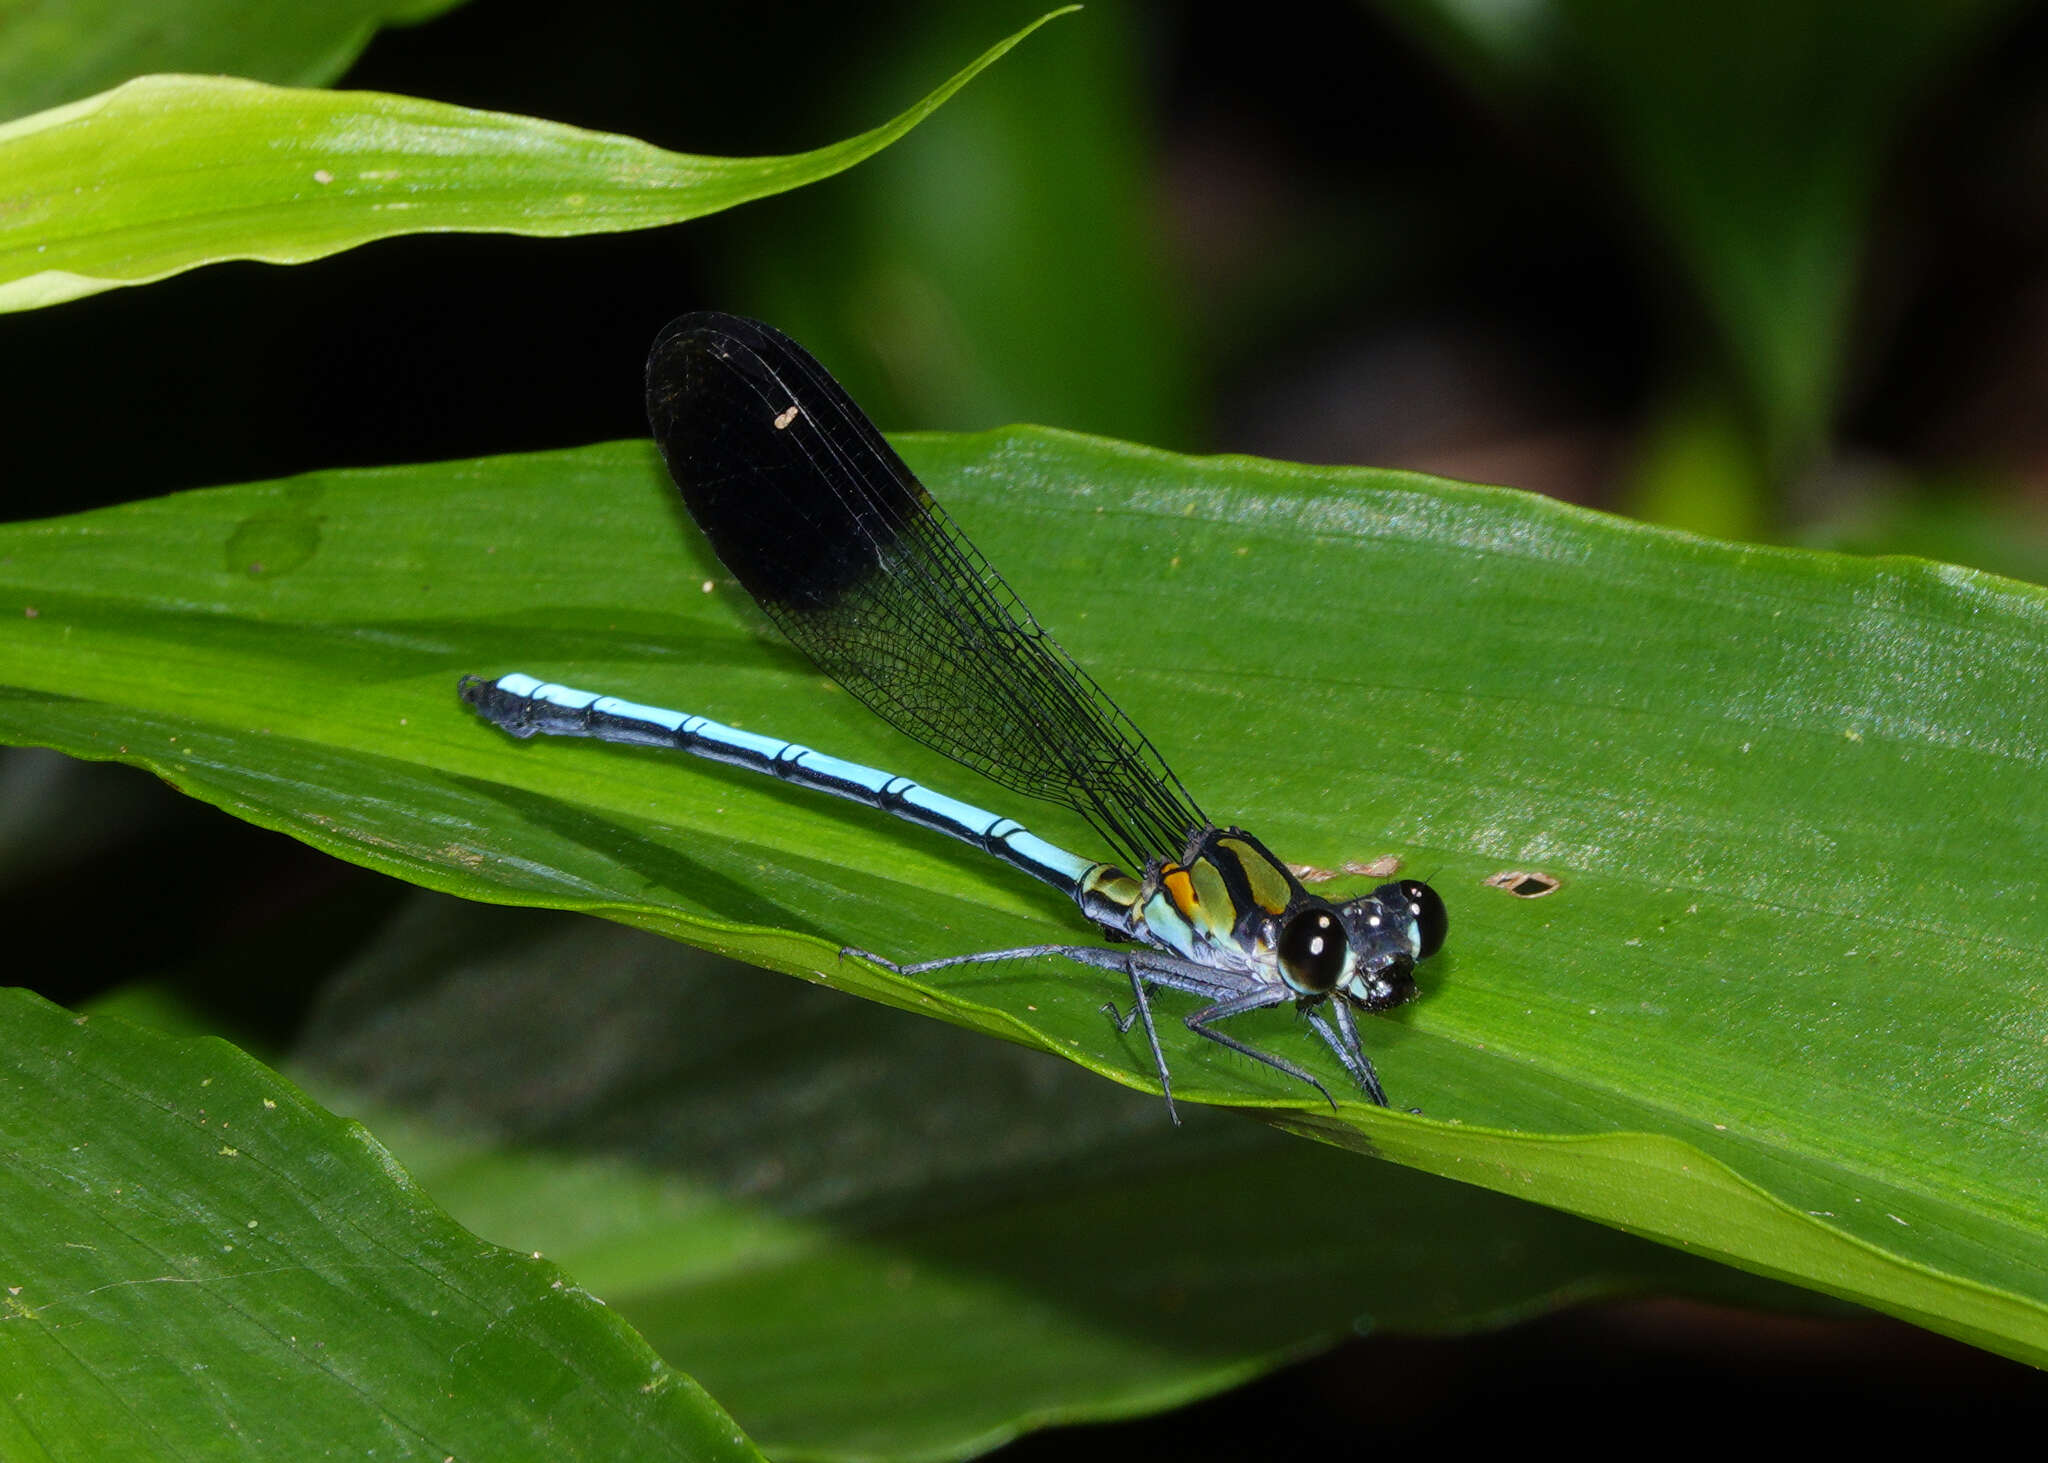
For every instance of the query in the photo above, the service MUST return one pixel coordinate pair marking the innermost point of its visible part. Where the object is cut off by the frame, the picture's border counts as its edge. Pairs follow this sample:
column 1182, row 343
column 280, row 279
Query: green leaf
column 748, row 1170
column 201, row 1262
column 68, row 49
column 1784, row 1008
column 166, row 173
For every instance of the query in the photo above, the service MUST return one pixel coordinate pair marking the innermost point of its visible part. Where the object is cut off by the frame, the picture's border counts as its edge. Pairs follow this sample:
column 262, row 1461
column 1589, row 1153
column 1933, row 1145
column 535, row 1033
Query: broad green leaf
column 747, row 1170
column 1784, row 1008
column 200, row 1262
column 166, row 173
column 54, row 51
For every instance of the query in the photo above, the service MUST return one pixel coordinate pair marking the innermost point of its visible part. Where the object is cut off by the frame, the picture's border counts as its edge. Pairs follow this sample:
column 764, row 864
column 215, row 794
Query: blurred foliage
column 1563, row 245
column 56, row 51
column 1752, row 136
column 1014, row 270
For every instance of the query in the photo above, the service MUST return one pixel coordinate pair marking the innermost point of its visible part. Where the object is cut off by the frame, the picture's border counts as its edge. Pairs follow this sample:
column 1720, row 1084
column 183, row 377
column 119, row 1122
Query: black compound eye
column 1432, row 922
column 1313, row 949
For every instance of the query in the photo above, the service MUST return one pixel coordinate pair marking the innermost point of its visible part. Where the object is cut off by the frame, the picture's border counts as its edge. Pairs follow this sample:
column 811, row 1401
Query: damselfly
column 822, row 523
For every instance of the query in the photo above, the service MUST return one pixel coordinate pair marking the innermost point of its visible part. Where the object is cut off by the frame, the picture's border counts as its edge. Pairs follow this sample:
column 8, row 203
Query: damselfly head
column 1365, row 949
column 1383, row 933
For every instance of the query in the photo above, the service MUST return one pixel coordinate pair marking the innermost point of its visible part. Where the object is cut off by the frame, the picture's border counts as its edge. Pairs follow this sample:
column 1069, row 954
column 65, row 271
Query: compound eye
column 1432, row 922
column 1313, row 949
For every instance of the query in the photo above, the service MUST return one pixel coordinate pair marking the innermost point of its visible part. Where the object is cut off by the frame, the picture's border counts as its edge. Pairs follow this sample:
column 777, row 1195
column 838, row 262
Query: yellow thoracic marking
column 1213, row 893
column 1268, row 882
column 1174, row 879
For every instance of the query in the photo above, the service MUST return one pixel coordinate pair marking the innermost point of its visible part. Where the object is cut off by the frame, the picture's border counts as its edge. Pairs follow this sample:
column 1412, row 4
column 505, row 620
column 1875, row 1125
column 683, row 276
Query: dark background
column 1343, row 253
